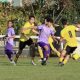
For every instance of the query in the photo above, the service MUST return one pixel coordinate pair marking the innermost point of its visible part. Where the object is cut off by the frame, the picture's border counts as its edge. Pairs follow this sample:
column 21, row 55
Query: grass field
column 25, row 71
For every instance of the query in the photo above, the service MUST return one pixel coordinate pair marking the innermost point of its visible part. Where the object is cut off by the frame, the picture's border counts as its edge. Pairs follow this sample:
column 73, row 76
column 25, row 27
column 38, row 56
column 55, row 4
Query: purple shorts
column 8, row 46
column 42, row 44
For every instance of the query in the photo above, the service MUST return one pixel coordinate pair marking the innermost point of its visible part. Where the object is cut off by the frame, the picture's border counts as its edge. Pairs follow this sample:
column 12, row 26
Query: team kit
column 46, row 38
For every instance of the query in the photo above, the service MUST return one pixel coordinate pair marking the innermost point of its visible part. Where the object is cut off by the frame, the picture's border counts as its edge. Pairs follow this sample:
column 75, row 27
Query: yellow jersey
column 69, row 34
column 26, row 31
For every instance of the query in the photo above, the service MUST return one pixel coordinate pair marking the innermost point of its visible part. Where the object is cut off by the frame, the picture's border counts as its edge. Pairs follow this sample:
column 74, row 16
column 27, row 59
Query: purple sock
column 46, row 52
column 9, row 54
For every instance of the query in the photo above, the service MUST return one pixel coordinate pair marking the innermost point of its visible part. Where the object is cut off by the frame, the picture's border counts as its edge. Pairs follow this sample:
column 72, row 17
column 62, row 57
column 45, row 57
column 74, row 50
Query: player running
column 46, row 31
column 10, row 35
column 51, row 48
column 68, row 34
column 25, row 38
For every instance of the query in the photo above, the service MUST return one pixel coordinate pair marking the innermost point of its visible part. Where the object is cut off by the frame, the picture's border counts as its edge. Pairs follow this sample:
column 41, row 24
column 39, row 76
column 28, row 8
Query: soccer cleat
column 43, row 62
column 61, row 64
column 33, row 63
column 13, row 63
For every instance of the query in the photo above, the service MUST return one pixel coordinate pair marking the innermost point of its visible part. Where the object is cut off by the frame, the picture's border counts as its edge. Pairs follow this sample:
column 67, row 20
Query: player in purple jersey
column 46, row 30
column 10, row 35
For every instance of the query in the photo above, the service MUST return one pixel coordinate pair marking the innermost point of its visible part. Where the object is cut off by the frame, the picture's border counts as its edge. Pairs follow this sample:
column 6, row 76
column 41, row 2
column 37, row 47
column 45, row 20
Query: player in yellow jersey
column 25, row 38
column 68, row 34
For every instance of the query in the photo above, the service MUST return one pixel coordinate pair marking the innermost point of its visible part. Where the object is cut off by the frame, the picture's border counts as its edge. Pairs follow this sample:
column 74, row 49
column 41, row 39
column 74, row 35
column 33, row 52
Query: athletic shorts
column 8, row 52
column 70, row 50
column 22, row 45
column 42, row 44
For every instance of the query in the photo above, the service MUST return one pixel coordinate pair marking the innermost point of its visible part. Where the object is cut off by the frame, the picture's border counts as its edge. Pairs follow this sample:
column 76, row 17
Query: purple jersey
column 10, row 41
column 45, row 32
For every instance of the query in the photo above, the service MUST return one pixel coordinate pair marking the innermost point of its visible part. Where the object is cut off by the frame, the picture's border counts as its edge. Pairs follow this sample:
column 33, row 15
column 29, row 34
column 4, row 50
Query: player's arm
column 35, row 31
column 12, row 34
column 78, row 27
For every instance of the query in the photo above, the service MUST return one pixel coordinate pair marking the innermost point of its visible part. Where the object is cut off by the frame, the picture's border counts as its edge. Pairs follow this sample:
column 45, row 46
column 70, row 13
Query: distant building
column 17, row 3
column 13, row 2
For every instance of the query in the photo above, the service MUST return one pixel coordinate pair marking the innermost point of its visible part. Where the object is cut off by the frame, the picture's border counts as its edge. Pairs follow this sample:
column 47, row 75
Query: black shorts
column 23, row 44
column 70, row 50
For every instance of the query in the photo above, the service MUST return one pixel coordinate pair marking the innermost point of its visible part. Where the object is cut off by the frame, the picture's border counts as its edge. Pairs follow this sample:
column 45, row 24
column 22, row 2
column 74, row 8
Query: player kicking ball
column 45, row 31
column 68, row 34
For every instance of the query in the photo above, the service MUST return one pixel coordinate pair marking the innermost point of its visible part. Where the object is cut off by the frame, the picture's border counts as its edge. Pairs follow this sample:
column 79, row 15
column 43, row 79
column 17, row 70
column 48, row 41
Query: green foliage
column 56, row 9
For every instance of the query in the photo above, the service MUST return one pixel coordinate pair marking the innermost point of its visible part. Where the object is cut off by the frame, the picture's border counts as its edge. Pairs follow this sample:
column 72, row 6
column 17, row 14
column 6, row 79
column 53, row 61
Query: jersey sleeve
column 12, row 31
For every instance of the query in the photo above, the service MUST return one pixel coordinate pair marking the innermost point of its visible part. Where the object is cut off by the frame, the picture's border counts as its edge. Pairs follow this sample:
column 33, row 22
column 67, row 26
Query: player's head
column 78, row 24
column 31, row 19
column 64, row 21
column 48, row 21
column 10, row 23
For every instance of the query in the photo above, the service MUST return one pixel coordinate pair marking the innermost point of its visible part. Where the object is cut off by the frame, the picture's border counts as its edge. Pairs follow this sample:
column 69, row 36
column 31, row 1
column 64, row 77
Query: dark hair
column 31, row 16
column 10, row 21
column 48, row 19
column 64, row 21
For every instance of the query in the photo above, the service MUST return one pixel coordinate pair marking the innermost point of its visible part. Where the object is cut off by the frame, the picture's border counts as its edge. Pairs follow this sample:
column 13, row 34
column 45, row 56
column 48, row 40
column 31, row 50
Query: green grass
column 25, row 71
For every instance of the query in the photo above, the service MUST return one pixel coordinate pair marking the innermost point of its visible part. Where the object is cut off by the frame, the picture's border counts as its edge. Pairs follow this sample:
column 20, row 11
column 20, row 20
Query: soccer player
column 68, row 34
column 45, row 31
column 10, row 35
column 25, row 38
column 51, row 46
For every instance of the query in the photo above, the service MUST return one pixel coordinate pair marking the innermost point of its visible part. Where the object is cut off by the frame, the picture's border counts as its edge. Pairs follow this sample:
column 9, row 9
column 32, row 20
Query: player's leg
column 40, row 52
column 9, row 51
column 46, row 53
column 32, row 50
column 57, row 52
column 62, row 56
column 21, row 47
column 9, row 54
column 32, row 53
column 66, row 59
column 54, row 48
column 69, row 51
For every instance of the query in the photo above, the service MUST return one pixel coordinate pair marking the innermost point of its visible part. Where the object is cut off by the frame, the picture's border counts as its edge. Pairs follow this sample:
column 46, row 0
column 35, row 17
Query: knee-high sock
column 40, row 52
column 17, row 56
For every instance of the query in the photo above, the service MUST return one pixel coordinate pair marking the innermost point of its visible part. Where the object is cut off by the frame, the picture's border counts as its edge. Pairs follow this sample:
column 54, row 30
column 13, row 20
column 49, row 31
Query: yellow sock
column 40, row 52
column 57, row 52
column 65, row 61
column 61, row 59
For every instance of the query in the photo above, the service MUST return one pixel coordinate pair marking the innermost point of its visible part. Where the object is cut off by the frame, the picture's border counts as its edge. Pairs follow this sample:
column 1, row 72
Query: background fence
column 26, row 50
